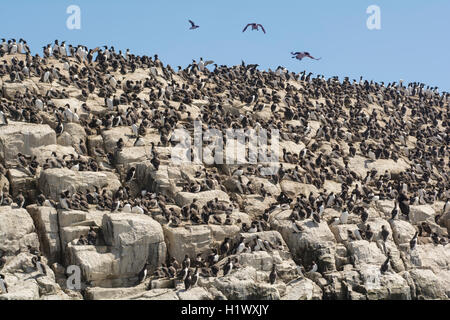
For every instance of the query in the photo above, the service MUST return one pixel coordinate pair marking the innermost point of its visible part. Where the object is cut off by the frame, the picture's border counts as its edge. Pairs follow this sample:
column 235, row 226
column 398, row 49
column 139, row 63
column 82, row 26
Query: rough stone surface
column 53, row 181
column 23, row 137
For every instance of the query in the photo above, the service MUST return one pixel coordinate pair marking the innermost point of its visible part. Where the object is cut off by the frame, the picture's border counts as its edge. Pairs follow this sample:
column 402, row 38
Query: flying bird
column 301, row 55
column 193, row 25
column 255, row 26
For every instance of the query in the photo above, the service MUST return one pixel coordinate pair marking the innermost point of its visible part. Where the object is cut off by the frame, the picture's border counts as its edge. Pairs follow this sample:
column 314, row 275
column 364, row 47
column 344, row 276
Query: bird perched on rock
column 385, row 265
column 344, row 216
column 130, row 174
column 228, row 267
column 384, row 233
column 187, row 280
column 403, row 204
column 316, row 218
column 186, row 262
column 314, row 267
column 273, row 274
column 213, row 257
column 225, row 246
column 20, row 200
column 36, row 260
column 394, row 211
column 92, row 236
column 143, row 273
column 413, row 241
column 195, row 277
column 3, row 285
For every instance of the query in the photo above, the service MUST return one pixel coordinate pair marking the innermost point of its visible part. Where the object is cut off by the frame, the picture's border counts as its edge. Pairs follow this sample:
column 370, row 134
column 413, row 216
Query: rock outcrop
column 92, row 199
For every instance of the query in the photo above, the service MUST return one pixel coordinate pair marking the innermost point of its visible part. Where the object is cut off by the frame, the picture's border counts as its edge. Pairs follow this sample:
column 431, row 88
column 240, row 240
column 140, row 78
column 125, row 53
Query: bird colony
column 92, row 207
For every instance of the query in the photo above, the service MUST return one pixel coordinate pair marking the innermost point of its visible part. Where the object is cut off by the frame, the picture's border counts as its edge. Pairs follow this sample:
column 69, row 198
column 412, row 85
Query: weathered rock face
column 435, row 258
column 53, row 181
column 73, row 134
column 421, row 213
column 98, row 293
column 26, row 283
column 184, row 198
column 44, row 152
column 402, row 231
column 302, row 289
column 98, row 266
column 131, row 240
column 317, row 161
column 135, row 239
column 10, row 89
column 255, row 205
column 427, row 285
column 317, row 242
column 21, row 181
column 195, row 239
column 361, row 165
column 293, row 189
column 46, row 221
column 196, row 293
column 23, row 137
column 389, row 286
column 244, row 285
column 17, row 230
column 187, row 240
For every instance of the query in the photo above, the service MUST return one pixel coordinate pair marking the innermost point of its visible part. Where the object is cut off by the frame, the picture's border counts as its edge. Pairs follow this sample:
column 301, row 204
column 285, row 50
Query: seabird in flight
column 255, row 26
column 193, row 25
column 301, row 55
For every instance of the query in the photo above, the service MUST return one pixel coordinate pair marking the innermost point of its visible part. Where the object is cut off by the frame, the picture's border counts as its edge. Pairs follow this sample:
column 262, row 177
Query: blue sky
column 413, row 43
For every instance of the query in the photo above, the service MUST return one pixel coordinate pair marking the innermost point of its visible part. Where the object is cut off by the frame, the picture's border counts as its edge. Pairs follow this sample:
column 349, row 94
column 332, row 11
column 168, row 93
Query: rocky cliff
column 357, row 208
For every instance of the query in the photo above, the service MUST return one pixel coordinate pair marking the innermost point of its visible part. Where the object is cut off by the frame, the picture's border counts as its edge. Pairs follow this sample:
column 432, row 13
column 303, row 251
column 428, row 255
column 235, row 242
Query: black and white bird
column 59, row 128
column 193, row 25
column 241, row 246
column 213, row 257
column 446, row 207
column 187, row 280
column 273, row 274
column 413, row 241
column 296, row 226
column 344, row 216
column 394, row 211
column 368, row 233
column 115, row 205
column 143, row 273
column 385, row 265
column 316, row 218
column 228, row 267
column 384, row 233
column 3, row 285
column 255, row 26
column 20, row 200
column 403, row 204
column 314, row 267
column 63, row 200
column 194, row 278
column 186, row 262
column 300, row 55
column 3, row 118
column 130, row 174
column 183, row 274
column 238, row 172
column 36, row 260
column 364, row 216
column 225, row 246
